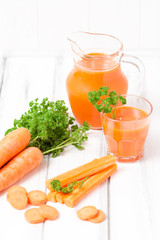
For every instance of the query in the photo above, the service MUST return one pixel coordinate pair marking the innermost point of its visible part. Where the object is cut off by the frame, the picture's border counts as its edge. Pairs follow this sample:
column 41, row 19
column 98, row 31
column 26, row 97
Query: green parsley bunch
column 51, row 127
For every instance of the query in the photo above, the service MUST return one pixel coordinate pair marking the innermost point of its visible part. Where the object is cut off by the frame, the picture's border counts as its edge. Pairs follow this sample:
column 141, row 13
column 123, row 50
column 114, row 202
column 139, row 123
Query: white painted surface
column 130, row 199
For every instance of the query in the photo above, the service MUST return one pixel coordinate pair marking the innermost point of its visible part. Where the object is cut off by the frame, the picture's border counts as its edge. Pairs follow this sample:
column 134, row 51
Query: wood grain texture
column 134, row 190
column 130, row 198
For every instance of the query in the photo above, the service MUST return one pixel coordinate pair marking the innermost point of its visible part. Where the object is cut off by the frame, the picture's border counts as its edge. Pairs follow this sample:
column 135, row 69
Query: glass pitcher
column 98, row 62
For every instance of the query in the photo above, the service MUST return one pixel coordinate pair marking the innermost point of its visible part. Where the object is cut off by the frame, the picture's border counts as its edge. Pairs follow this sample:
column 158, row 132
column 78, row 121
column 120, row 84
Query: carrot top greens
column 51, row 127
column 104, row 101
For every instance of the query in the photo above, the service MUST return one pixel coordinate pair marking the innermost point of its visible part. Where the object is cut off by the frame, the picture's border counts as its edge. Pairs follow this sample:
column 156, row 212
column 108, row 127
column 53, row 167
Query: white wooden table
column 130, row 199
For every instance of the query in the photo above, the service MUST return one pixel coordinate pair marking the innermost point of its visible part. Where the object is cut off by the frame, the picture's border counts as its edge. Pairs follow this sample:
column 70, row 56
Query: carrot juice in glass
column 97, row 63
column 126, row 134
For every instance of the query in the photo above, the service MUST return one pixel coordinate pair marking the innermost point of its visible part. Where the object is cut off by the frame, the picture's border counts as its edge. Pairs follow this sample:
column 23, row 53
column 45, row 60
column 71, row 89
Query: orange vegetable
column 37, row 198
column 13, row 143
column 48, row 212
column 18, row 199
column 19, row 166
column 90, row 184
column 33, row 216
column 60, row 197
column 52, row 196
column 83, row 171
column 100, row 217
column 16, row 188
column 87, row 212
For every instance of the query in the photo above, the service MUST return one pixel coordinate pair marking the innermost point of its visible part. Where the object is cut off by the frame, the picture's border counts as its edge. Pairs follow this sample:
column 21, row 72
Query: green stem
column 33, row 140
column 112, row 116
column 58, row 147
column 115, row 112
column 62, row 142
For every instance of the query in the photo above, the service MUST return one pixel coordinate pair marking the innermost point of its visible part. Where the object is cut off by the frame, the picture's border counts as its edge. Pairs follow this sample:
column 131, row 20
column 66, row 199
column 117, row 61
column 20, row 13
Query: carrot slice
column 83, row 171
column 18, row 199
column 90, row 184
column 16, row 188
column 98, row 218
column 13, row 143
column 52, row 196
column 48, row 212
column 37, row 198
column 33, row 216
column 19, row 166
column 87, row 212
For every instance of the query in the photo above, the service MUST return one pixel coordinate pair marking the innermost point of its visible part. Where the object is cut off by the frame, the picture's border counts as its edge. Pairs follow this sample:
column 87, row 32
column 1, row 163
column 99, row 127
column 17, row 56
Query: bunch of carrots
column 15, row 160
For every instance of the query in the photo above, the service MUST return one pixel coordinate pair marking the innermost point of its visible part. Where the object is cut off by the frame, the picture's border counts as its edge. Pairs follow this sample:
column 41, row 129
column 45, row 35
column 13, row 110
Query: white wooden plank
column 63, row 66
column 117, row 18
column 71, row 158
column 134, row 190
column 23, row 80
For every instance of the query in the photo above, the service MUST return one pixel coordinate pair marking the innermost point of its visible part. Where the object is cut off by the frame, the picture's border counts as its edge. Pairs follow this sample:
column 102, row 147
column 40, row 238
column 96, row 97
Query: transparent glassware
column 98, row 61
column 125, row 136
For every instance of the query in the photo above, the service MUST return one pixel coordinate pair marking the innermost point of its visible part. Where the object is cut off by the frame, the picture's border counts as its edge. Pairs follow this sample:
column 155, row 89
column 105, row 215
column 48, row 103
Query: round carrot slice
column 87, row 212
column 52, row 196
column 48, row 212
column 16, row 188
column 33, row 216
column 98, row 218
column 18, row 200
column 37, row 198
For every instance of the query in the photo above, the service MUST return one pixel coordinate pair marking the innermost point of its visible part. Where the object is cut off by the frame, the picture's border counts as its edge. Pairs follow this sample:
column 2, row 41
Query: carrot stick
column 19, row 166
column 90, row 184
column 60, row 197
column 83, row 171
column 13, row 143
column 52, row 196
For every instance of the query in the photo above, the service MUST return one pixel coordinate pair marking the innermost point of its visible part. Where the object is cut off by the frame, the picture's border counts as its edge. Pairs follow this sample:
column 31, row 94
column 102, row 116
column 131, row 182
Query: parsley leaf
column 103, row 100
column 51, row 127
column 56, row 185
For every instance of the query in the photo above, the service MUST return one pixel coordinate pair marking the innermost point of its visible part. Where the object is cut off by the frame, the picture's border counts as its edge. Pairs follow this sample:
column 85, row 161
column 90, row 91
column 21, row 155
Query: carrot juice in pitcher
column 97, row 63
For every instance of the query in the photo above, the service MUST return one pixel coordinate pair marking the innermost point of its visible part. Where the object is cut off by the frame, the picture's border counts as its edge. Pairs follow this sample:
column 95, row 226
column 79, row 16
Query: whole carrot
column 13, row 143
column 19, row 166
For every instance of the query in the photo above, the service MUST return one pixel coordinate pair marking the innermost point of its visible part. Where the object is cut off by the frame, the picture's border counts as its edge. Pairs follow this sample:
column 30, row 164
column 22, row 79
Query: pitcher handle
column 136, row 62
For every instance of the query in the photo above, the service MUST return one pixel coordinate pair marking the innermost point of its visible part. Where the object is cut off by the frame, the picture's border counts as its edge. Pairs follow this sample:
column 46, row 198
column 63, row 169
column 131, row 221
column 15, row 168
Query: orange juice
column 90, row 73
column 126, row 134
